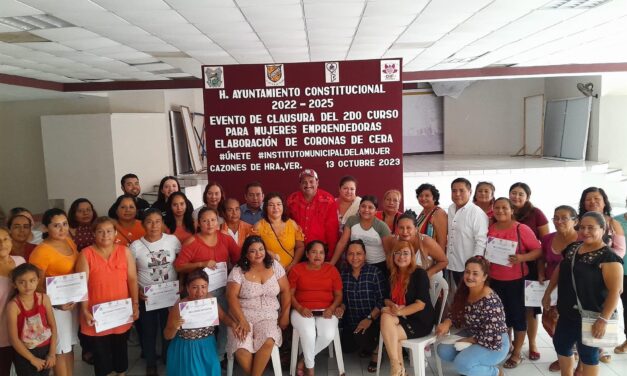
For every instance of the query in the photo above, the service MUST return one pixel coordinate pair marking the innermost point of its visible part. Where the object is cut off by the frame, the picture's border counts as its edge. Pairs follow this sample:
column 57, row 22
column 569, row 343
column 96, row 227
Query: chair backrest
column 439, row 286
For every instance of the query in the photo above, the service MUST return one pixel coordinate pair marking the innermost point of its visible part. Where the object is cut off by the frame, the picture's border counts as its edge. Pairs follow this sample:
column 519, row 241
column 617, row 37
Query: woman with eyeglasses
column 111, row 275
column 432, row 221
column 408, row 313
column 597, row 273
column 391, row 205
column 56, row 256
column 553, row 246
column 508, row 281
column 19, row 229
column 282, row 236
column 259, row 300
column 477, row 308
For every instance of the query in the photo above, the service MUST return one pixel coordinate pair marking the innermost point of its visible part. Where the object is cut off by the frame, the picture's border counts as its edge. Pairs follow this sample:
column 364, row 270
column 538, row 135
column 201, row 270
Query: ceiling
column 74, row 41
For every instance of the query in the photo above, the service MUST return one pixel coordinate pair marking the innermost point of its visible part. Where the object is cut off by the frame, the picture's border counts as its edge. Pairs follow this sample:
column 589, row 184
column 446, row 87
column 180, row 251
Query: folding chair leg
column 294, row 355
column 276, row 361
column 379, row 353
column 229, row 366
column 338, row 351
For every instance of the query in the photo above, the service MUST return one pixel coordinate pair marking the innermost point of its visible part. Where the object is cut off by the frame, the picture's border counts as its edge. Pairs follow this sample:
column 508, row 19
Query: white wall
column 613, row 138
column 566, row 87
column 22, row 170
column 141, row 145
column 79, row 158
column 488, row 117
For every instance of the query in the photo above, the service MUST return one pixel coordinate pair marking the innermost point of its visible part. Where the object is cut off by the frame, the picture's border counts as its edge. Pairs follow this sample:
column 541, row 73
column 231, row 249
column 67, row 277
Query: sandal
column 511, row 363
column 622, row 349
column 555, row 366
column 534, row 355
column 604, row 356
column 300, row 366
column 372, row 366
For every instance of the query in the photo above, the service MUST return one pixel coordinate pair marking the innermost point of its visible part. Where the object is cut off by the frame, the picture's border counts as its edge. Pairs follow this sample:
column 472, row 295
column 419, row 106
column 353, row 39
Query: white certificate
column 217, row 276
column 112, row 314
column 498, row 250
column 69, row 288
column 534, row 291
column 199, row 313
column 161, row 295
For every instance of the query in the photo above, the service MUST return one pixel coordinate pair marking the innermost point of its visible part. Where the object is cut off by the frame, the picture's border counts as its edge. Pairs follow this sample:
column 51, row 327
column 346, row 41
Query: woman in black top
column 409, row 312
column 598, row 277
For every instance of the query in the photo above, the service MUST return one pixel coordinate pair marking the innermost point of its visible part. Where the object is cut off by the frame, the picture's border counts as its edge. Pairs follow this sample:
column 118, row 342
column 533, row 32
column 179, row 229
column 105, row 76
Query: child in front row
column 31, row 325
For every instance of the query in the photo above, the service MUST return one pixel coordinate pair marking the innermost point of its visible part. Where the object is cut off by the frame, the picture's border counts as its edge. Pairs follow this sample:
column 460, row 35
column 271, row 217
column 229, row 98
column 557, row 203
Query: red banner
column 268, row 122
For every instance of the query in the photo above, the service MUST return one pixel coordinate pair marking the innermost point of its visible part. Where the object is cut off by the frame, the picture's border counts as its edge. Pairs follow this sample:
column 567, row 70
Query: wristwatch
column 369, row 317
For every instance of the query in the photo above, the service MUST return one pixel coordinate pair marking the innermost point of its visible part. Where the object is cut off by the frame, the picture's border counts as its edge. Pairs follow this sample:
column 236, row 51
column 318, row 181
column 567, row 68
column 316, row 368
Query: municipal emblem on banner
column 275, row 75
column 390, row 70
column 332, row 72
column 214, row 78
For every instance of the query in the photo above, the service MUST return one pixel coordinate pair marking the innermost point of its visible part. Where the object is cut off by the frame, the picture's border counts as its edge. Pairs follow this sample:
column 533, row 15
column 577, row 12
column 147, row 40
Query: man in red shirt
column 315, row 211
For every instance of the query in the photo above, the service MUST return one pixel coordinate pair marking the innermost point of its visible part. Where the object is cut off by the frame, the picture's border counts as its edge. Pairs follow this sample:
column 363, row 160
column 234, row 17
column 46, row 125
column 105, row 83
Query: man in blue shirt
column 252, row 210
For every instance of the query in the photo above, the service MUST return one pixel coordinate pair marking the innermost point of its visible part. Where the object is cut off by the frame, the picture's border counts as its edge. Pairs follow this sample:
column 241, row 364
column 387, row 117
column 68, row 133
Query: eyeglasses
column 20, row 227
column 401, row 253
column 562, row 219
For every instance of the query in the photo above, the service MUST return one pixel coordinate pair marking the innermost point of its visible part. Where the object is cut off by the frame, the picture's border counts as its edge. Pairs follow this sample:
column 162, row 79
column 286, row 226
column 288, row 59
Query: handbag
column 612, row 335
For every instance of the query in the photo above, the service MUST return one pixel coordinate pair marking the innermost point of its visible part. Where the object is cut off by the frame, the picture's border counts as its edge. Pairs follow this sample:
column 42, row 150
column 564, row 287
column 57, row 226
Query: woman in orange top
column 178, row 217
column 111, row 275
column 128, row 227
column 56, row 256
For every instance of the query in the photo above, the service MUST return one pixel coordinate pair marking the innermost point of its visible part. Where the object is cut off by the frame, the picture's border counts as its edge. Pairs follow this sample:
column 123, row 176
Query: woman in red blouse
column 316, row 289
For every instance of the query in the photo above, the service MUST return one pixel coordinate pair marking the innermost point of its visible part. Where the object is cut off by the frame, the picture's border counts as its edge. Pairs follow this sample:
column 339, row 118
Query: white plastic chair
column 417, row 345
column 336, row 343
column 276, row 362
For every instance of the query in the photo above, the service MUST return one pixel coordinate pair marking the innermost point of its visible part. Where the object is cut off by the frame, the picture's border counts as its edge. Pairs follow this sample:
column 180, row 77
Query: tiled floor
column 355, row 366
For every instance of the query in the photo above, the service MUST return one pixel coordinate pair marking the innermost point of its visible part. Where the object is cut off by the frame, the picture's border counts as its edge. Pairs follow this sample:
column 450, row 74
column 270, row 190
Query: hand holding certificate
column 217, row 276
column 498, row 250
column 69, row 288
column 161, row 295
column 199, row 313
column 112, row 314
column 534, row 291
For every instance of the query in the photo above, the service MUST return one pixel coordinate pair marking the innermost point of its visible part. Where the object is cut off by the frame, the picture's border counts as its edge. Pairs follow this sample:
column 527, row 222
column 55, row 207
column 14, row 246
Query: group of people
column 309, row 262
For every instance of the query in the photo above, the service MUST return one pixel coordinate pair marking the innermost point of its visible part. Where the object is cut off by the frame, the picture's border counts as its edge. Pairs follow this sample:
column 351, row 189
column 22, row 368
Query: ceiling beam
column 434, row 75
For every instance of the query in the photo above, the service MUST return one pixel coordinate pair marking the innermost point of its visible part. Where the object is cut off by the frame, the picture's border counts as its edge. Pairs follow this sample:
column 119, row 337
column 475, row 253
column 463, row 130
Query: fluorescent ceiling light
column 34, row 22
column 574, row 4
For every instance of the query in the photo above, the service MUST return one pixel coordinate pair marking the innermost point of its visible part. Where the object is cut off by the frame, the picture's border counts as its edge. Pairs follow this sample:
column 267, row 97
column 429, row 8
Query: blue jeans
column 152, row 324
column 475, row 360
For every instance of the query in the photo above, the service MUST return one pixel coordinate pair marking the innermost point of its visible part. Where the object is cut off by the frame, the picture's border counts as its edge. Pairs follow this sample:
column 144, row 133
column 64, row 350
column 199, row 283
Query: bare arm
column 82, row 266
column 174, row 322
column 341, row 245
column 546, row 299
column 613, row 279
column 132, row 282
column 543, row 230
column 285, row 299
column 408, row 310
column 436, row 252
column 232, row 297
column 52, row 323
column 440, row 227
column 299, row 251
column 303, row 311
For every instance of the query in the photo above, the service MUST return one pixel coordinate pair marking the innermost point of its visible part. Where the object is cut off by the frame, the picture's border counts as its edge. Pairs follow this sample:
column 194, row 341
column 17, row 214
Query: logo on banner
column 332, row 72
column 390, row 70
column 275, row 76
column 214, row 78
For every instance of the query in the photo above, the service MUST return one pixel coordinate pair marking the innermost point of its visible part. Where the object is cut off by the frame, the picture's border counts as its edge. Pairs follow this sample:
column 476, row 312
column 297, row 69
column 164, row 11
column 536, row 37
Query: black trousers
column 365, row 342
column 110, row 353
column 23, row 366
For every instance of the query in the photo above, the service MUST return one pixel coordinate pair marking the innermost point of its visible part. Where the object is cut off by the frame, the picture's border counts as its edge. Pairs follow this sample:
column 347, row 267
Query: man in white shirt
column 467, row 228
